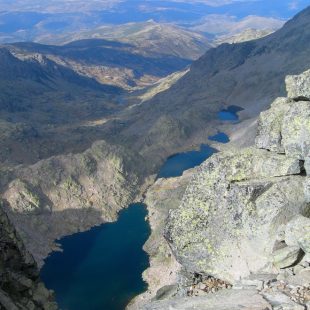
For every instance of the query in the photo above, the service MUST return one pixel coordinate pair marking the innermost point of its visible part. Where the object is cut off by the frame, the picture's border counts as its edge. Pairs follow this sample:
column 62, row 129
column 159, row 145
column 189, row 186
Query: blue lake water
column 220, row 137
column 101, row 269
column 230, row 114
column 175, row 165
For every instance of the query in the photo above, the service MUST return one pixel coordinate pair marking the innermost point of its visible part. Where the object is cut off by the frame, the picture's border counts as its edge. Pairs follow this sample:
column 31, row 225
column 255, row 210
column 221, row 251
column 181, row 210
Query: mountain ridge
column 125, row 56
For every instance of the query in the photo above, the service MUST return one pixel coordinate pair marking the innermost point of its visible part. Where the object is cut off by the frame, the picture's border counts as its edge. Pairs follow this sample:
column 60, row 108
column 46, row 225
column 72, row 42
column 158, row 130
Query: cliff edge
column 20, row 286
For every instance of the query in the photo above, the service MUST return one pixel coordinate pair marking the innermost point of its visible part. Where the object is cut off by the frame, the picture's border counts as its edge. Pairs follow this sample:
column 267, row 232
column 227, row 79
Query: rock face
column 297, row 86
column 297, row 233
column 246, row 211
column 20, row 286
column 228, row 222
column 285, row 128
column 163, row 273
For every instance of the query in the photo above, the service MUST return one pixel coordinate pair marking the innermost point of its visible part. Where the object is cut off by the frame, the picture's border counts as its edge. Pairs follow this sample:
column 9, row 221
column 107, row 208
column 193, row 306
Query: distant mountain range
column 33, row 20
column 131, row 55
column 150, row 38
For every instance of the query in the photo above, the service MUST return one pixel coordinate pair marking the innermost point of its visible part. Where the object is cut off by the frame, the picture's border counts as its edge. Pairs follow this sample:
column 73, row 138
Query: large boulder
column 285, row 127
column 297, row 233
column 296, row 130
column 270, row 125
column 298, row 86
column 232, row 213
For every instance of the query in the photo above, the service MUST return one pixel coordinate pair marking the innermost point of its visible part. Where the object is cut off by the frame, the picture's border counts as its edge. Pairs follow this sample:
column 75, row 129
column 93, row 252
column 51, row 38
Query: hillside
column 243, row 36
column 37, row 98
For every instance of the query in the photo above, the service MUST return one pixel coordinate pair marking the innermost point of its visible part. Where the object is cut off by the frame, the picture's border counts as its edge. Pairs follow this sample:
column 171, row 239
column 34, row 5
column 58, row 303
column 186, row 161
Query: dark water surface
column 220, row 137
column 230, row 114
column 101, row 269
column 175, row 165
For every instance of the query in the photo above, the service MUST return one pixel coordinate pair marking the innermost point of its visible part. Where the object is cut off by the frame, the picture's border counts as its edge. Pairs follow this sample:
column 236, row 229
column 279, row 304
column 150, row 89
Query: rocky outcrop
column 297, row 233
column 71, row 193
column 244, row 217
column 163, row 274
column 297, row 86
column 285, row 127
column 20, row 286
column 228, row 223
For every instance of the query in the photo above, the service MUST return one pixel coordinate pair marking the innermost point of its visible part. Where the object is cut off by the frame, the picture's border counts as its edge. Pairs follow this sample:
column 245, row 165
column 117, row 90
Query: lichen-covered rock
column 296, row 130
column 285, row 127
column 300, row 279
column 298, row 86
column 163, row 272
column 227, row 224
column 270, row 125
column 297, row 233
column 307, row 194
column 23, row 199
column 281, row 301
column 286, row 257
column 20, row 286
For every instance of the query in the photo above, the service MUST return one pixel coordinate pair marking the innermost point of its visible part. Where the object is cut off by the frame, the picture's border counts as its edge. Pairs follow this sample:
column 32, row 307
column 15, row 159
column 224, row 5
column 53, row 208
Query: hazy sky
column 24, row 19
column 59, row 6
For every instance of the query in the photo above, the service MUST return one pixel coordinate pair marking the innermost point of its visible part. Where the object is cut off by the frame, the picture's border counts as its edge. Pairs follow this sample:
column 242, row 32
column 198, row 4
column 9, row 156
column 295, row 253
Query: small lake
column 220, row 137
column 230, row 114
column 101, row 269
column 176, row 164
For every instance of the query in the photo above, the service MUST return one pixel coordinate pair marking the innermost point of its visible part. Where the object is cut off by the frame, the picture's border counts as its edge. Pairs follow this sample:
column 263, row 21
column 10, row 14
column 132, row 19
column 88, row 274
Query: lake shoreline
column 176, row 170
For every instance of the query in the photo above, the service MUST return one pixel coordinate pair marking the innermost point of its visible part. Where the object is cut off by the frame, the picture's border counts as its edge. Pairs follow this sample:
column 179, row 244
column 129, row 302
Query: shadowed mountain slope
column 34, row 85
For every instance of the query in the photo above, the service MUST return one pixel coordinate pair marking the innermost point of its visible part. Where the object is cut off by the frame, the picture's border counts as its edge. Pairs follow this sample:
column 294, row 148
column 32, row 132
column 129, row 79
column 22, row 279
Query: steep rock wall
column 20, row 286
